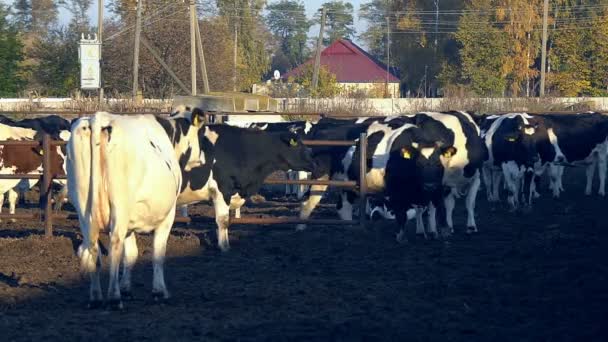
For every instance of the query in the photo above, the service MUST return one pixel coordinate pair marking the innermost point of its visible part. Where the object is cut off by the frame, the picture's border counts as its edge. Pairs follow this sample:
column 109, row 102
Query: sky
column 312, row 6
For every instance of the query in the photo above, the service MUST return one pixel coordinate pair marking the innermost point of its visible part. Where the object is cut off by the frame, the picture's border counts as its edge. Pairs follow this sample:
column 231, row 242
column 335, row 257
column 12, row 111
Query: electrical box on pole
column 89, row 54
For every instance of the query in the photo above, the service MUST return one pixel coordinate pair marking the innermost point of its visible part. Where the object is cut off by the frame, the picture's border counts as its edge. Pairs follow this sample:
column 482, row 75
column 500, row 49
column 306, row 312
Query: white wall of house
column 373, row 88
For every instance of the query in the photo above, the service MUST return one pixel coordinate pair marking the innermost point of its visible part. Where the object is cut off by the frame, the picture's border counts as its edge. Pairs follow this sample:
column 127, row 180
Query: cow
column 16, row 159
column 233, row 164
column 577, row 140
column 403, row 166
column 116, row 167
column 462, row 171
column 302, row 128
column 513, row 141
column 59, row 129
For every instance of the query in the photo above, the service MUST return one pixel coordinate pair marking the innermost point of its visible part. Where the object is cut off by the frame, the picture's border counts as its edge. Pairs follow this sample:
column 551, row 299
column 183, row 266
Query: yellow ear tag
column 195, row 120
column 293, row 142
column 41, row 152
column 405, row 153
column 448, row 153
column 511, row 139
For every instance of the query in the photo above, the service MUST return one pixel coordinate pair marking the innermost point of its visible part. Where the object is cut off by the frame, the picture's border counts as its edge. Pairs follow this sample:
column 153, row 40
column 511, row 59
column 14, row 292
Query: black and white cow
column 462, row 174
column 403, row 165
column 515, row 144
column 575, row 139
column 232, row 165
column 301, row 128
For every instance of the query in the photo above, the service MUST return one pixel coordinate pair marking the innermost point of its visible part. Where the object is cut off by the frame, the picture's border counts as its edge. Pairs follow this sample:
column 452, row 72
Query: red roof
column 350, row 64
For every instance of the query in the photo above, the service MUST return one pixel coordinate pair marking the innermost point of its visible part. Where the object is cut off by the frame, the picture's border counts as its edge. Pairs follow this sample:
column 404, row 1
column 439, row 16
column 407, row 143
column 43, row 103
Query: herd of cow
column 129, row 174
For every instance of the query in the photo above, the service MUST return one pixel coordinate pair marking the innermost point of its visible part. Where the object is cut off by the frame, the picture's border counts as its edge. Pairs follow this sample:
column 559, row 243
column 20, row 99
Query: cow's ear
column 290, row 139
column 449, row 152
column 198, row 117
column 406, row 152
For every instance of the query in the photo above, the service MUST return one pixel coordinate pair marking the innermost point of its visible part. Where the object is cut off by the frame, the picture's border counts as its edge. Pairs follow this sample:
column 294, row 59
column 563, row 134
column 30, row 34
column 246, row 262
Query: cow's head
column 520, row 141
column 418, row 166
column 293, row 154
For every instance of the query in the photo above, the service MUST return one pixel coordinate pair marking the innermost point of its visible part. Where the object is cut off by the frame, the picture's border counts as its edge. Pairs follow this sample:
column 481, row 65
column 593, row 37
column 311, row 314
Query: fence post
column 45, row 188
column 362, row 181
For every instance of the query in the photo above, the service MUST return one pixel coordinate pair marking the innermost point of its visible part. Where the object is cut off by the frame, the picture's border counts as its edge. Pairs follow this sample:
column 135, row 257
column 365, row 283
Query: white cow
column 124, row 176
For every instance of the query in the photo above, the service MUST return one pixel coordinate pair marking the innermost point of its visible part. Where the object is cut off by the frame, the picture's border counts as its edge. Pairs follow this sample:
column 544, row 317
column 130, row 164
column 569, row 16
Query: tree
column 11, row 55
column 339, row 21
column 253, row 39
column 482, row 52
column 521, row 23
column 327, row 87
column 375, row 37
column 599, row 57
column 22, row 12
column 286, row 19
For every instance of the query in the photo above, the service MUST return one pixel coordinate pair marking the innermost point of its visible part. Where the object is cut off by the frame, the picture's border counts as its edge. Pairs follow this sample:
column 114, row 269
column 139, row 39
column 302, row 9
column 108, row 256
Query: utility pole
column 136, row 49
column 388, row 52
column 543, row 61
column 236, row 47
column 193, row 46
column 100, row 38
column 315, row 74
column 201, row 57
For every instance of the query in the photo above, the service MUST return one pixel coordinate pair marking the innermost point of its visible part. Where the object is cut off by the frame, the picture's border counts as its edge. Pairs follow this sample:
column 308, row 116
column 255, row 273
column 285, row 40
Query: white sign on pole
column 89, row 63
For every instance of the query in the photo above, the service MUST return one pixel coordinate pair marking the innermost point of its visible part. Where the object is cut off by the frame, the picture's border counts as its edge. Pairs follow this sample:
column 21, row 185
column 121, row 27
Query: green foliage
column 58, row 70
column 327, row 87
column 482, row 51
column 339, row 21
column 375, row 13
column 253, row 55
column 286, row 19
column 11, row 56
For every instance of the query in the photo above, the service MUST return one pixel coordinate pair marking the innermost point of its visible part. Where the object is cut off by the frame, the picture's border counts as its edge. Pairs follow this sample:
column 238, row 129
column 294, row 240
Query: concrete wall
column 404, row 105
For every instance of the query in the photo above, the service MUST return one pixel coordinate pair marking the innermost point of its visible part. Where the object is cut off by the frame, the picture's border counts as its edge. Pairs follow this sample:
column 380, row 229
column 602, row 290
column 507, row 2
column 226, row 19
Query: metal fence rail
column 46, row 214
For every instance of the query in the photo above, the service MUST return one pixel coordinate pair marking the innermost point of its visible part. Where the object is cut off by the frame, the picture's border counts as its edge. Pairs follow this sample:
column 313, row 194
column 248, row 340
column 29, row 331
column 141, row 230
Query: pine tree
column 11, row 56
column 339, row 22
column 286, row 19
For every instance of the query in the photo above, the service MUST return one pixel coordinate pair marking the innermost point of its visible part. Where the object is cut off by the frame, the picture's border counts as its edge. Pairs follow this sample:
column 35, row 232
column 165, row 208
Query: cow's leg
column 470, row 204
column 512, row 181
column 128, row 261
column 61, row 197
column 12, row 202
column 449, row 202
column 590, row 174
column 601, row 168
column 236, row 202
column 554, row 180
column 560, row 178
column 487, row 182
column 302, row 175
column 1, row 203
column 433, row 221
column 222, row 219
column 90, row 262
column 161, row 235
column 496, row 180
column 420, row 229
column 118, row 233
column 307, row 207
column 345, row 209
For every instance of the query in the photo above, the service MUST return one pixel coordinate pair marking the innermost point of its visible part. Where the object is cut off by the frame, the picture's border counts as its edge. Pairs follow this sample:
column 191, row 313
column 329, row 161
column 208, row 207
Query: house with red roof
column 355, row 69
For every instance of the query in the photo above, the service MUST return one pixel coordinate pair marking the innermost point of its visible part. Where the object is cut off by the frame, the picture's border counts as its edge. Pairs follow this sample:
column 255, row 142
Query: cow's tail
column 97, row 210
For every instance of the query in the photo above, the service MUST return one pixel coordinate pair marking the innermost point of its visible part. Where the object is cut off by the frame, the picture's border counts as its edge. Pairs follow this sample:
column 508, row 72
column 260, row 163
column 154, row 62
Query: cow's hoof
column 115, row 305
column 401, row 237
column 126, row 295
column 471, row 230
column 224, row 249
column 94, row 304
column 160, row 297
column 12, row 220
column 432, row 236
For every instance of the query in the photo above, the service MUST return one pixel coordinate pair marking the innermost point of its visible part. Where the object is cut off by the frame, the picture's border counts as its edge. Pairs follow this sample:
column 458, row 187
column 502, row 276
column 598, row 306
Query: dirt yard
column 541, row 276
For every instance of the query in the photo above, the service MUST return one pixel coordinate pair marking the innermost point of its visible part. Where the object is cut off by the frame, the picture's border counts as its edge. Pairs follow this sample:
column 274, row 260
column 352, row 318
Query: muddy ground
column 541, row 276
